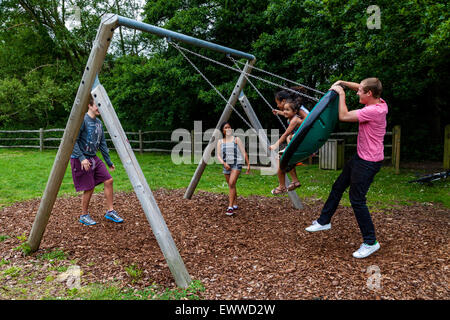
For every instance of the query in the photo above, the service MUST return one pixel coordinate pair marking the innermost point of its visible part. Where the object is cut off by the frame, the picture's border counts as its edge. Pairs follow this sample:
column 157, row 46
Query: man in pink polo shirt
column 359, row 172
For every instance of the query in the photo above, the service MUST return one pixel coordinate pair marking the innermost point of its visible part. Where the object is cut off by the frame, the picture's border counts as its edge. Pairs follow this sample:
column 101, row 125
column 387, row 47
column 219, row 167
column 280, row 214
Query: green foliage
column 154, row 101
column 30, row 100
column 189, row 293
column 53, row 256
column 13, row 272
column 4, row 262
column 98, row 291
column 24, row 246
column 328, row 40
column 134, row 272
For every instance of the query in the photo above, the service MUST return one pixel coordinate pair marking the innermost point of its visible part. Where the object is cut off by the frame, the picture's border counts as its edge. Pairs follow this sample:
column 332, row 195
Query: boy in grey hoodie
column 88, row 170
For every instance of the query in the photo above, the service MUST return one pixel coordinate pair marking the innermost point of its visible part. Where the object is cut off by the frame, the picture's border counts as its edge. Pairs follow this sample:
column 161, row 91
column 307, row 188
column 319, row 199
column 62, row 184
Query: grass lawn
column 24, row 174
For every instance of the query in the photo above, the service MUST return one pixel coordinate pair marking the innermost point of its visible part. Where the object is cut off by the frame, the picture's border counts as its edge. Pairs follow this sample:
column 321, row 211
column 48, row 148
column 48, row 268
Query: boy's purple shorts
column 87, row 180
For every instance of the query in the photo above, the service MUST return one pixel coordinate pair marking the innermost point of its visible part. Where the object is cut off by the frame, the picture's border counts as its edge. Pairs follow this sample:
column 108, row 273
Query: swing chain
column 248, row 74
column 285, row 79
column 257, row 91
column 176, row 46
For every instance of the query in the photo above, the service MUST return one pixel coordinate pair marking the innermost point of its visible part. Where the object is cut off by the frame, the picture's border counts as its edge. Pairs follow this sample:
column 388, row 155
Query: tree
column 42, row 57
column 323, row 41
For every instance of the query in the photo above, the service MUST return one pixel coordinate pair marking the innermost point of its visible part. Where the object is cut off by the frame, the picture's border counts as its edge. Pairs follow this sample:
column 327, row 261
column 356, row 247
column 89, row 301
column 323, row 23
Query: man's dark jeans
column 358, row 174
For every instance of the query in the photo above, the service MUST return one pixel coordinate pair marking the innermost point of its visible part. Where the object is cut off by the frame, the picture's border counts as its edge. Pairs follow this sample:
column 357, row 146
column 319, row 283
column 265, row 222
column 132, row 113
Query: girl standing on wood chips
column 231, row 153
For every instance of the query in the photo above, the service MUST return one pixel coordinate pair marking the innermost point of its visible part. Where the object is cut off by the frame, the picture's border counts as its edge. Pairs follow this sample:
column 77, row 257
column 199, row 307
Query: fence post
column 396, row 133
column 446, row 164
column 140, row 142
column 192, row 146
column 41, row 139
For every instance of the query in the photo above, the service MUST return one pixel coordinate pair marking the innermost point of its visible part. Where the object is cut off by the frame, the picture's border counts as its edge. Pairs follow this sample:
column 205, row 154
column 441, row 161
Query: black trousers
column 358, row 174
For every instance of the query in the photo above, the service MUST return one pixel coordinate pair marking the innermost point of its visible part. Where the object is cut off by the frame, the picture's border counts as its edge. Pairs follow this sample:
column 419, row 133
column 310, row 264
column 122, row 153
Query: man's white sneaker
column 366, row 250
column 318, row 227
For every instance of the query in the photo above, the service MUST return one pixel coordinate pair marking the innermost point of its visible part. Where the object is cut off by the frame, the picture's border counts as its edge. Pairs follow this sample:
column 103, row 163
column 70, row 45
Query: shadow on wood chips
column 262, row 252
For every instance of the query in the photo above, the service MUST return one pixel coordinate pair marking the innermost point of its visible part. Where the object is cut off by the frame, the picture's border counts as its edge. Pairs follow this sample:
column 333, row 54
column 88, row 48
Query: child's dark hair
column 298, row 98
column 91, row 100
column 290, row 94
column 294, row 105
column 223, row 125
column 282, row 95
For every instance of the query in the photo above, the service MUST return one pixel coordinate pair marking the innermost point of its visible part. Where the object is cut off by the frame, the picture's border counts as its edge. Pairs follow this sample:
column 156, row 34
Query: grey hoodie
column 90, row 139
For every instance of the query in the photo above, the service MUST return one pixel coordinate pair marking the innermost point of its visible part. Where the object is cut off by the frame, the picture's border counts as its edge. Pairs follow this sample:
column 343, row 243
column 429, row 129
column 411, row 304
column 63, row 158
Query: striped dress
column 231, row 153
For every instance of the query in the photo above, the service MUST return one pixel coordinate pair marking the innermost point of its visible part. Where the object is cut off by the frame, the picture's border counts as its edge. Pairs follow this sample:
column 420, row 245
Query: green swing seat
column 313, row 132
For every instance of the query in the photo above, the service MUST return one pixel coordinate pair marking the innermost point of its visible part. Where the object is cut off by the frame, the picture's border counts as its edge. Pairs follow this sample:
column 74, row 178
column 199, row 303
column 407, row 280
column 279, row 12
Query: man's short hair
column 374, row 85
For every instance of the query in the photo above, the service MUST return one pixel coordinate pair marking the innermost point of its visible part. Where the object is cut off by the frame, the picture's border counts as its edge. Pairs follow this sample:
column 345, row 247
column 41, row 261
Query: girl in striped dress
column 231, row 153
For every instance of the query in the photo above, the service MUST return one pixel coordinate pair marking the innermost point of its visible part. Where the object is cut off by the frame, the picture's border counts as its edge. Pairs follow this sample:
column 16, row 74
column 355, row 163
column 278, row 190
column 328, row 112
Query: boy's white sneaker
column 366, row 250
column 315, row 226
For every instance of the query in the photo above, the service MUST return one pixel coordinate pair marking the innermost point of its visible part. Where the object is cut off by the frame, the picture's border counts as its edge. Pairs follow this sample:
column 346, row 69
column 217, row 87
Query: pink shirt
column 372, row 128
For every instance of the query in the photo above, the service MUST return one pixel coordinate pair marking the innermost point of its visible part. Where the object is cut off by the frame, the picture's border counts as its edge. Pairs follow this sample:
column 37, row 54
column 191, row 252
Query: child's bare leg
column 230, row 191
column 86, row 198
column 109, row 194
column 281, row 178
column 293, row 174
column 232, row 187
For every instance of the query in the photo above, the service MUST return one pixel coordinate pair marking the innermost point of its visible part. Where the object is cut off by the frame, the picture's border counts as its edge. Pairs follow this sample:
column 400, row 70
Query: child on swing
column 280, row 99
column 231, row 153
column 283, row 95
column 290, row 111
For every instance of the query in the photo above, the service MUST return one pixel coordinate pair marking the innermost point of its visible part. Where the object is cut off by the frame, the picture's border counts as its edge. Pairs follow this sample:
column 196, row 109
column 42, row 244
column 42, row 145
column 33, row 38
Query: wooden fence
column 138, row 141
column 41, row 145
